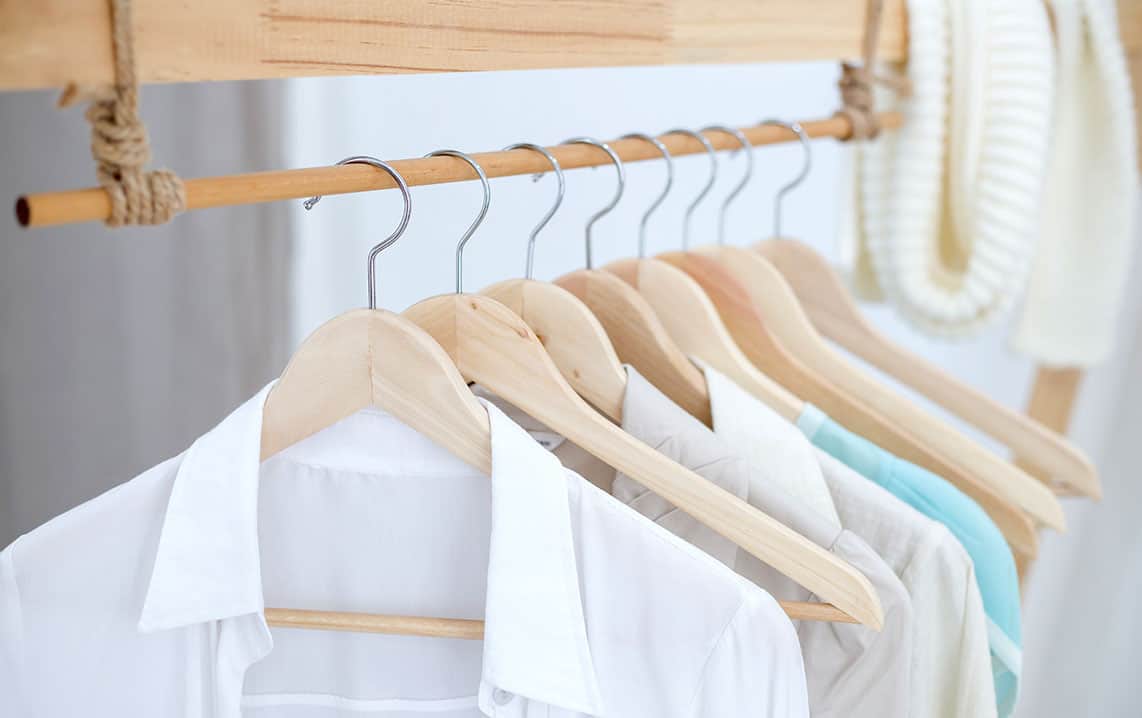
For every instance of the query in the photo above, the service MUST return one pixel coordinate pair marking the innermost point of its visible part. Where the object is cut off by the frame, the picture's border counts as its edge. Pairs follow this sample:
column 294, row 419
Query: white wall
column 399, row 117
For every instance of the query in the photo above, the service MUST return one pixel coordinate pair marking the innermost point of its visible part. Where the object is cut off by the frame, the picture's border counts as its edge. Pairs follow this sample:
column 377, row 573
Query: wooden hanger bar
column 89, row 205
column 472, row 630
column 51, row 43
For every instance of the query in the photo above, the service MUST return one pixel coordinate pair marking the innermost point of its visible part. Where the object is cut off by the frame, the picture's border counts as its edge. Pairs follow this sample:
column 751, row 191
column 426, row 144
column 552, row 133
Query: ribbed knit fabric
column 1090, row 200
column 948, row 205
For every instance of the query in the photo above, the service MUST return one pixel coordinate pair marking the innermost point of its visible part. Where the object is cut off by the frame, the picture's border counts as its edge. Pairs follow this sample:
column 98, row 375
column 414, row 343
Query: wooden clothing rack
column 57, row 43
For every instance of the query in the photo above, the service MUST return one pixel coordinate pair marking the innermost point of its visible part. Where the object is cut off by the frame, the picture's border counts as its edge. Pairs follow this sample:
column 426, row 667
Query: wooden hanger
column 372, row 357
column 835, row 314
column 492, row 346
column 573, row 337
column 752, row 336
column 692, row 322
column 784, row 319
column 634, row 330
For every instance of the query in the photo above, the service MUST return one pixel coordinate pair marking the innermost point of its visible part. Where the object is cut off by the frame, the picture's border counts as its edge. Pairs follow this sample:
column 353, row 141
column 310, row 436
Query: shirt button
column 502, row 697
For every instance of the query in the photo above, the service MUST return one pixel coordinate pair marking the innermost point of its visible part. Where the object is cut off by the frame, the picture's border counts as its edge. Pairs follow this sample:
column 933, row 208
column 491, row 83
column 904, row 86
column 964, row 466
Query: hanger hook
column 554, row 208
column 713, row 155
column 807, row 165
column 392, row 238
column 747, row 148
column 665, row 188
column 622, row 177
column 479, row 218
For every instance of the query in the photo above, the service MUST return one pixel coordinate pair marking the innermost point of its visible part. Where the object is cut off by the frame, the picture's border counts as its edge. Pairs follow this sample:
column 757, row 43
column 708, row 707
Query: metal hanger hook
column 554, row 208
column 713, row 155
column 746, row 148
column 622, row 185
column 392, row 238
column 665, row 188
column 479, row 218
column 806, row 166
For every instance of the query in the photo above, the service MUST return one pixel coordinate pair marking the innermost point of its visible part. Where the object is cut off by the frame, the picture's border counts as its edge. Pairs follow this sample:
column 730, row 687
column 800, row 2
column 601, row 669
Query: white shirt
column 851, row 671
column 773, row 445
column 951, row 662
column 147, row 601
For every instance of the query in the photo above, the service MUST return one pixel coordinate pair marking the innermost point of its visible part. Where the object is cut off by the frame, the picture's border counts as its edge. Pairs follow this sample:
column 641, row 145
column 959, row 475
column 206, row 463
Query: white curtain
column 118, row 347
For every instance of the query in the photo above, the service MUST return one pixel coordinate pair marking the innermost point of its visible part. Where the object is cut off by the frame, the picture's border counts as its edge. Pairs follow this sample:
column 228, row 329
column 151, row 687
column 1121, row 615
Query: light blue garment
column 938, row 500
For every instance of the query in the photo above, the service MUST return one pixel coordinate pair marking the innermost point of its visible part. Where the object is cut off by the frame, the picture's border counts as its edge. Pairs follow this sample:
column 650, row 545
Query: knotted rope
column 856, row 83
column 119, row 141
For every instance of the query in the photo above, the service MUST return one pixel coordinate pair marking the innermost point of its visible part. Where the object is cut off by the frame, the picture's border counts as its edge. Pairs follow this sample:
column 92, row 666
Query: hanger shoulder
column 640, row 339
column 693, row 322
column 375, row 358
column 573, row 337
column 783, row 314
column 747, row 325
column 492, row 346
column 835, row 314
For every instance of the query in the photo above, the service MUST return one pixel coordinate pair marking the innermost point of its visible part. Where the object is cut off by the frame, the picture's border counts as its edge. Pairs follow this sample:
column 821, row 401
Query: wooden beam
column 51, row 43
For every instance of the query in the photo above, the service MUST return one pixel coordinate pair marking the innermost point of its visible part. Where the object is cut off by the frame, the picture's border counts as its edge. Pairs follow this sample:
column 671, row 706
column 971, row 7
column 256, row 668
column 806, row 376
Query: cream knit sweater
column 949, row 211
column 1089, row 217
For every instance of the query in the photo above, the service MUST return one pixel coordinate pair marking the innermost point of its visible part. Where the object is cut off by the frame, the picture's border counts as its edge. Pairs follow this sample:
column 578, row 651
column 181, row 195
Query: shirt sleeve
column 756, row 667
column 11, row 638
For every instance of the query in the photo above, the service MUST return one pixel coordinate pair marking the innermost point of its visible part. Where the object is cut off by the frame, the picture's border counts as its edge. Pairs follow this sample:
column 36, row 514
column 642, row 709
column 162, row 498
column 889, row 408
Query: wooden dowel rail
column 88, row 205
column 468, row 629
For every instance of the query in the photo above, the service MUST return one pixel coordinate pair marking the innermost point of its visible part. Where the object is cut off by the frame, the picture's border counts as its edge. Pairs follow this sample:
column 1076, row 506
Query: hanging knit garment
column 947, row 208
column 1090, row 201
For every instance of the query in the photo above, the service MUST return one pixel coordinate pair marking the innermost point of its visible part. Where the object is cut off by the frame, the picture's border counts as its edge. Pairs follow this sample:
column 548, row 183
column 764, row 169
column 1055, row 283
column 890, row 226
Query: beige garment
column 852, row 671
column 951, row 663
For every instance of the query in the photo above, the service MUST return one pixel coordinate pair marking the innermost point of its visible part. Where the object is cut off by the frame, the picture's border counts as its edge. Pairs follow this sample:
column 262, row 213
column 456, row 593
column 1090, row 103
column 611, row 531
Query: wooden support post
column 1051, row 404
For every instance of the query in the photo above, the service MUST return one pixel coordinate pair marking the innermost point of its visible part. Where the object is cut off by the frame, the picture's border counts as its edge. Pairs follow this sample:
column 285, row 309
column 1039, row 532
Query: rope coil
column 858, row 96
column 119, row 141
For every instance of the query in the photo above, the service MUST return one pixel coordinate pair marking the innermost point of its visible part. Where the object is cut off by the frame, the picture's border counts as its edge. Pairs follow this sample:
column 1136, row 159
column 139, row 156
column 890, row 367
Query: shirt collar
column 207, row 565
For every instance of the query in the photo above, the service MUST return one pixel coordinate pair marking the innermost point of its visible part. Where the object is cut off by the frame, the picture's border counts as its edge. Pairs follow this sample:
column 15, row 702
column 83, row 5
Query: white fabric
column 951, row 664
column 851, row 670
column 1089, row 203
column 948, row 205
column 147, row 600
column 776, row 447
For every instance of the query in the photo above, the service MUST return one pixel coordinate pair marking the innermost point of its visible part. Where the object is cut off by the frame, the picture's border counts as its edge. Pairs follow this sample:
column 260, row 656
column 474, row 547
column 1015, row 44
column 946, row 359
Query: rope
column 856, row 83
column 119, row 141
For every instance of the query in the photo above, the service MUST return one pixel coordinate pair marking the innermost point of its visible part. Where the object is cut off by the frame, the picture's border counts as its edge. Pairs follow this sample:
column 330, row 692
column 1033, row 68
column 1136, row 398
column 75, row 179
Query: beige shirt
column 851, row 671
column 951, row 663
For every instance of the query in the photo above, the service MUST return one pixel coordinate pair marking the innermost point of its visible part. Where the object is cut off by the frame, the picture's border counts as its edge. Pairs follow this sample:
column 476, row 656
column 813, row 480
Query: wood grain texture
column 51, row 43
column 835, row 314
column 784, row 318
column 338, row 370
column 493, row 347
column 575, row 340
column 694, row 323
column 735, row 302
column 640, row 338
column 92, row 204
